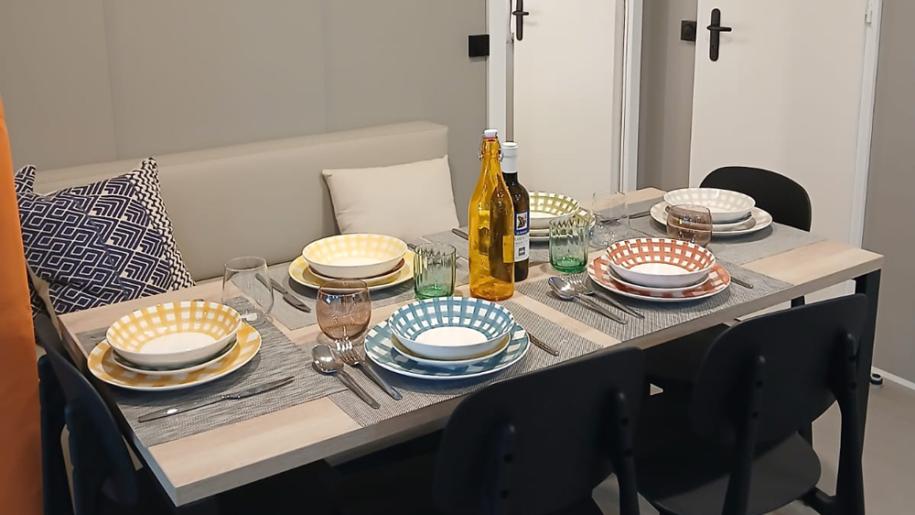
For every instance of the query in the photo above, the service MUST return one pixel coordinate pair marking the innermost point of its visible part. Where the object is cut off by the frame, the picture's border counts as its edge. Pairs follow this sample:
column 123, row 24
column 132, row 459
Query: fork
column 581, row 287
column 351, row 357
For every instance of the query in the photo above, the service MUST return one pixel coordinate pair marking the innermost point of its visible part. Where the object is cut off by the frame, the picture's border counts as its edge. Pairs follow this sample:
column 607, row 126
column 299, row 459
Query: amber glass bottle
column 492, row 228
column 521, row 203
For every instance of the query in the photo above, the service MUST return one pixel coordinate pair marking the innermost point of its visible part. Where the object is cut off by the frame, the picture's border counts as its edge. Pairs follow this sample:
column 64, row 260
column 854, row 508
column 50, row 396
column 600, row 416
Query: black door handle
column 519, row 13
column 715, row 30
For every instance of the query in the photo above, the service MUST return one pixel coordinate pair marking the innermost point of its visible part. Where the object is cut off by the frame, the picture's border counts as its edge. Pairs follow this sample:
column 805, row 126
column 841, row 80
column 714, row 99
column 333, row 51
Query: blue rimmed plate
column 449, row 328
column 379, row 348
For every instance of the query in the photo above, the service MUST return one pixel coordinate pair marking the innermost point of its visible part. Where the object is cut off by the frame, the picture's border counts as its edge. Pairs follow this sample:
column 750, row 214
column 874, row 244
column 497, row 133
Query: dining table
column 203, row 453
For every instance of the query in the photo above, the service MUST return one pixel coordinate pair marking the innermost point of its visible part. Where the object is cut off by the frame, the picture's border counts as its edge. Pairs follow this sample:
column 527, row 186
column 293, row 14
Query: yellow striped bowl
column 173, row 334
column 102, row 365
column 354, row 256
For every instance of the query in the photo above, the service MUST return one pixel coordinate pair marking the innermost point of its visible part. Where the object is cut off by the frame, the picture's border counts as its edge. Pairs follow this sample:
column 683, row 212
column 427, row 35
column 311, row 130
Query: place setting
column 731, row 214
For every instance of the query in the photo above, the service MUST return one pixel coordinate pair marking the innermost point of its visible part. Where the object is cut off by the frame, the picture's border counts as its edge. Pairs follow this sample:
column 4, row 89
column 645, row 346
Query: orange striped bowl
column 660, row 262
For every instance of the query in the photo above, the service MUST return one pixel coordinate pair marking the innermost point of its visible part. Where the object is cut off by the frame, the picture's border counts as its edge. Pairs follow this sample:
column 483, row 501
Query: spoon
column 326, row 362
column 566, row 291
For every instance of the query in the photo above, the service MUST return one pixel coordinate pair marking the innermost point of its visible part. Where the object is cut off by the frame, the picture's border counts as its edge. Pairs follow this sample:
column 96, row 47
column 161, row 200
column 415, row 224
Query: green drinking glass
column 569, row 238
column 434, row 270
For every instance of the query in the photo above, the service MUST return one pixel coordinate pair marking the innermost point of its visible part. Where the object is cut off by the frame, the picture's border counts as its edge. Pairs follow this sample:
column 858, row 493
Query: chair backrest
column 786, row 200
column 55, row 490
column 540, row 442
column 97, row 453
column 799, row 357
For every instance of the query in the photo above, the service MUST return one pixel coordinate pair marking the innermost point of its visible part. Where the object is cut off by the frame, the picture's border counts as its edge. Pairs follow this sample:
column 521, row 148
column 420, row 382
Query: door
column 785, row 94
column 564, row 94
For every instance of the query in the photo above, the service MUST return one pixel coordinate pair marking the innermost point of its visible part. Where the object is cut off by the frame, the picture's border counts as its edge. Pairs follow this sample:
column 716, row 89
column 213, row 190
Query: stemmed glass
column 690, row 223
column 246, row 277
column 344, row 310
column 610, row 212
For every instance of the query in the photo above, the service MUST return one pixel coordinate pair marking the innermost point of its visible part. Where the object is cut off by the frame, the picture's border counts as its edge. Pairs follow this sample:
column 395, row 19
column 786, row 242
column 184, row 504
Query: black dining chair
column 731, row 444
column 534, row 445
column 104, row 479
column 789, row 204
column 786, row 200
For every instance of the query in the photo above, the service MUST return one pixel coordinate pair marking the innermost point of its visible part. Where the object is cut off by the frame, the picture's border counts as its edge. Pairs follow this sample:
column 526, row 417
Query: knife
column 462, row 233
column 290, row 298
column 543, row 346
column 241, row 394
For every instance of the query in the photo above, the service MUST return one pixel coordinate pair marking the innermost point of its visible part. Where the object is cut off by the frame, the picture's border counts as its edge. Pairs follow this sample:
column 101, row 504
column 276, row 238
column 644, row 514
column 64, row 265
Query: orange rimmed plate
column 718, row 280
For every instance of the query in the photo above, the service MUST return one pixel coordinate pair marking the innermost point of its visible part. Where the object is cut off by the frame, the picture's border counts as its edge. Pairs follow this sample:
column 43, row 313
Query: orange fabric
column 20, row 444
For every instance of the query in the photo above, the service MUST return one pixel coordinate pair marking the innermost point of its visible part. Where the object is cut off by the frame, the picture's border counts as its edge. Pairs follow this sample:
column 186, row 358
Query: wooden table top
column 214, row 461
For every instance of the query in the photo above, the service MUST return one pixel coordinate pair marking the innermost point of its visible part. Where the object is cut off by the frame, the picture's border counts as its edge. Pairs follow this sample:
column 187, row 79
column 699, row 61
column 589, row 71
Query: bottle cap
column 491, row 133
column 510, row 157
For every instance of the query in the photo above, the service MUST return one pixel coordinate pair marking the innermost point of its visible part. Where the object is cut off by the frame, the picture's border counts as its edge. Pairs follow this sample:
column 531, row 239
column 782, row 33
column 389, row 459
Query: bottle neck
column 511, row 176
column 491, row 154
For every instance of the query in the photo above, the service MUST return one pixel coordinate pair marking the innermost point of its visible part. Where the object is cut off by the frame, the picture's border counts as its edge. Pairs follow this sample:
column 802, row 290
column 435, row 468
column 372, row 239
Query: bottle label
column 522, row 236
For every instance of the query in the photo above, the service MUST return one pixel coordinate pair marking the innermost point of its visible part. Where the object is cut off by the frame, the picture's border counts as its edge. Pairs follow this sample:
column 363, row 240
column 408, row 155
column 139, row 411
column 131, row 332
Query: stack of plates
column 545, row 207
column 174, row 345
column 447, row 338
column 381, row 261
column 659, row 269
column 733, row 213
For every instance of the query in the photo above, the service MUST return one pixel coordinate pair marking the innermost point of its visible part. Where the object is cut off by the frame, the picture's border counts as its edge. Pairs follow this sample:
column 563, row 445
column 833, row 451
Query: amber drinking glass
column 690, row 223
column 344, row 309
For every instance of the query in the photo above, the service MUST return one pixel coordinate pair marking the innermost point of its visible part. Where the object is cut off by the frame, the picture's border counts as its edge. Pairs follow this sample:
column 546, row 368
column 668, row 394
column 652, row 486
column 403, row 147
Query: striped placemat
column 772, row 240
column 419, row 393
column 278, row 357
column 658, row 316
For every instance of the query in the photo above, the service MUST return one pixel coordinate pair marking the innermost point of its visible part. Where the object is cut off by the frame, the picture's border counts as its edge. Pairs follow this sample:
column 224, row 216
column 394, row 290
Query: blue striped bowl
column 451, row 328
column 382, row 350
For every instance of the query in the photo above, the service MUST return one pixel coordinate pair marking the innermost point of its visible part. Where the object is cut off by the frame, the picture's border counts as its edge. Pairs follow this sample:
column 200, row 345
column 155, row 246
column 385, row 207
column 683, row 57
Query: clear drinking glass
column 246, row 277
column 690, row 223
column 434, row 270
column 569, row 243
column 610, row 212
column 344, row 309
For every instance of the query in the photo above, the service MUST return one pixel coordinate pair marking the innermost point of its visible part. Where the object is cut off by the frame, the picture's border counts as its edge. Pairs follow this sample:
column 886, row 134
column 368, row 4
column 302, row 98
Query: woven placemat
column 278, row 357
column 658, row 316
column 419, row 393
column 772, row 240
column 294, row 319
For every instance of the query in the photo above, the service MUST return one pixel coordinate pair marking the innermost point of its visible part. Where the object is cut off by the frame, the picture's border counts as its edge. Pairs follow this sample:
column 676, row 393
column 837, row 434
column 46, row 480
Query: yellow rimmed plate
column 103, row 366
column 302, row 274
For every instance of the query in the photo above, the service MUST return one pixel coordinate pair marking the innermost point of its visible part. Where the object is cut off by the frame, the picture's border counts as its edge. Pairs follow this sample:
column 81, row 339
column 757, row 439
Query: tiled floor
column 889, row 456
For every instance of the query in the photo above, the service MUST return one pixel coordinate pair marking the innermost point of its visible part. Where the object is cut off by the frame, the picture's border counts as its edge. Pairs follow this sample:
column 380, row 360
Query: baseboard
column 894, row 378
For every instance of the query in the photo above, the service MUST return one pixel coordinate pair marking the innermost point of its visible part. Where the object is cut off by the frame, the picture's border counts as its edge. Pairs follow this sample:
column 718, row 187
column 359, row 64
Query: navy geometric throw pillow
column 102, row 243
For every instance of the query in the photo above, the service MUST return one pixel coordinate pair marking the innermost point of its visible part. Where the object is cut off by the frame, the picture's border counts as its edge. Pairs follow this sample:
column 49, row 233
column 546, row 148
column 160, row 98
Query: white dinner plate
column 761, row 220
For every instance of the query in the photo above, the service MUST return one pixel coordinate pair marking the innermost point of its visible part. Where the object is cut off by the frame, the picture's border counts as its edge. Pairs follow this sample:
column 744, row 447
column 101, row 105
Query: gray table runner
column 658, row 316
column 419, row 393
column 775, row 239
column 278, row 357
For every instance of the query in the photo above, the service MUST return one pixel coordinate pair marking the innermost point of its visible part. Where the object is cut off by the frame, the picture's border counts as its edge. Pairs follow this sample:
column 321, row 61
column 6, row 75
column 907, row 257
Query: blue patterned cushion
column 102, row 243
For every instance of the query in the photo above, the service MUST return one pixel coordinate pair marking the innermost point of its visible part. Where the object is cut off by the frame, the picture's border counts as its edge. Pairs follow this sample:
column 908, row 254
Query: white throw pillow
column 406, row 201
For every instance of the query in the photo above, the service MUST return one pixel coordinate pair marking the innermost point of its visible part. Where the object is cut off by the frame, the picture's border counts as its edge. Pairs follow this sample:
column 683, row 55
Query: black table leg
column 869, row 285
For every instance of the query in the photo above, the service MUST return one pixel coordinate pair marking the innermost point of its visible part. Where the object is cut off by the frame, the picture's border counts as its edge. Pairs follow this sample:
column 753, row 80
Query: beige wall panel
column 54, row 82
column 192, row 75
column 890, row 210
column 401, row 60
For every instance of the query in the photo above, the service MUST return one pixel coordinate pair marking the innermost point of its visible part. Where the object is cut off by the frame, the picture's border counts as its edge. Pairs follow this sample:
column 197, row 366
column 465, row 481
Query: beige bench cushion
column 417, row 199
column 266, row 198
